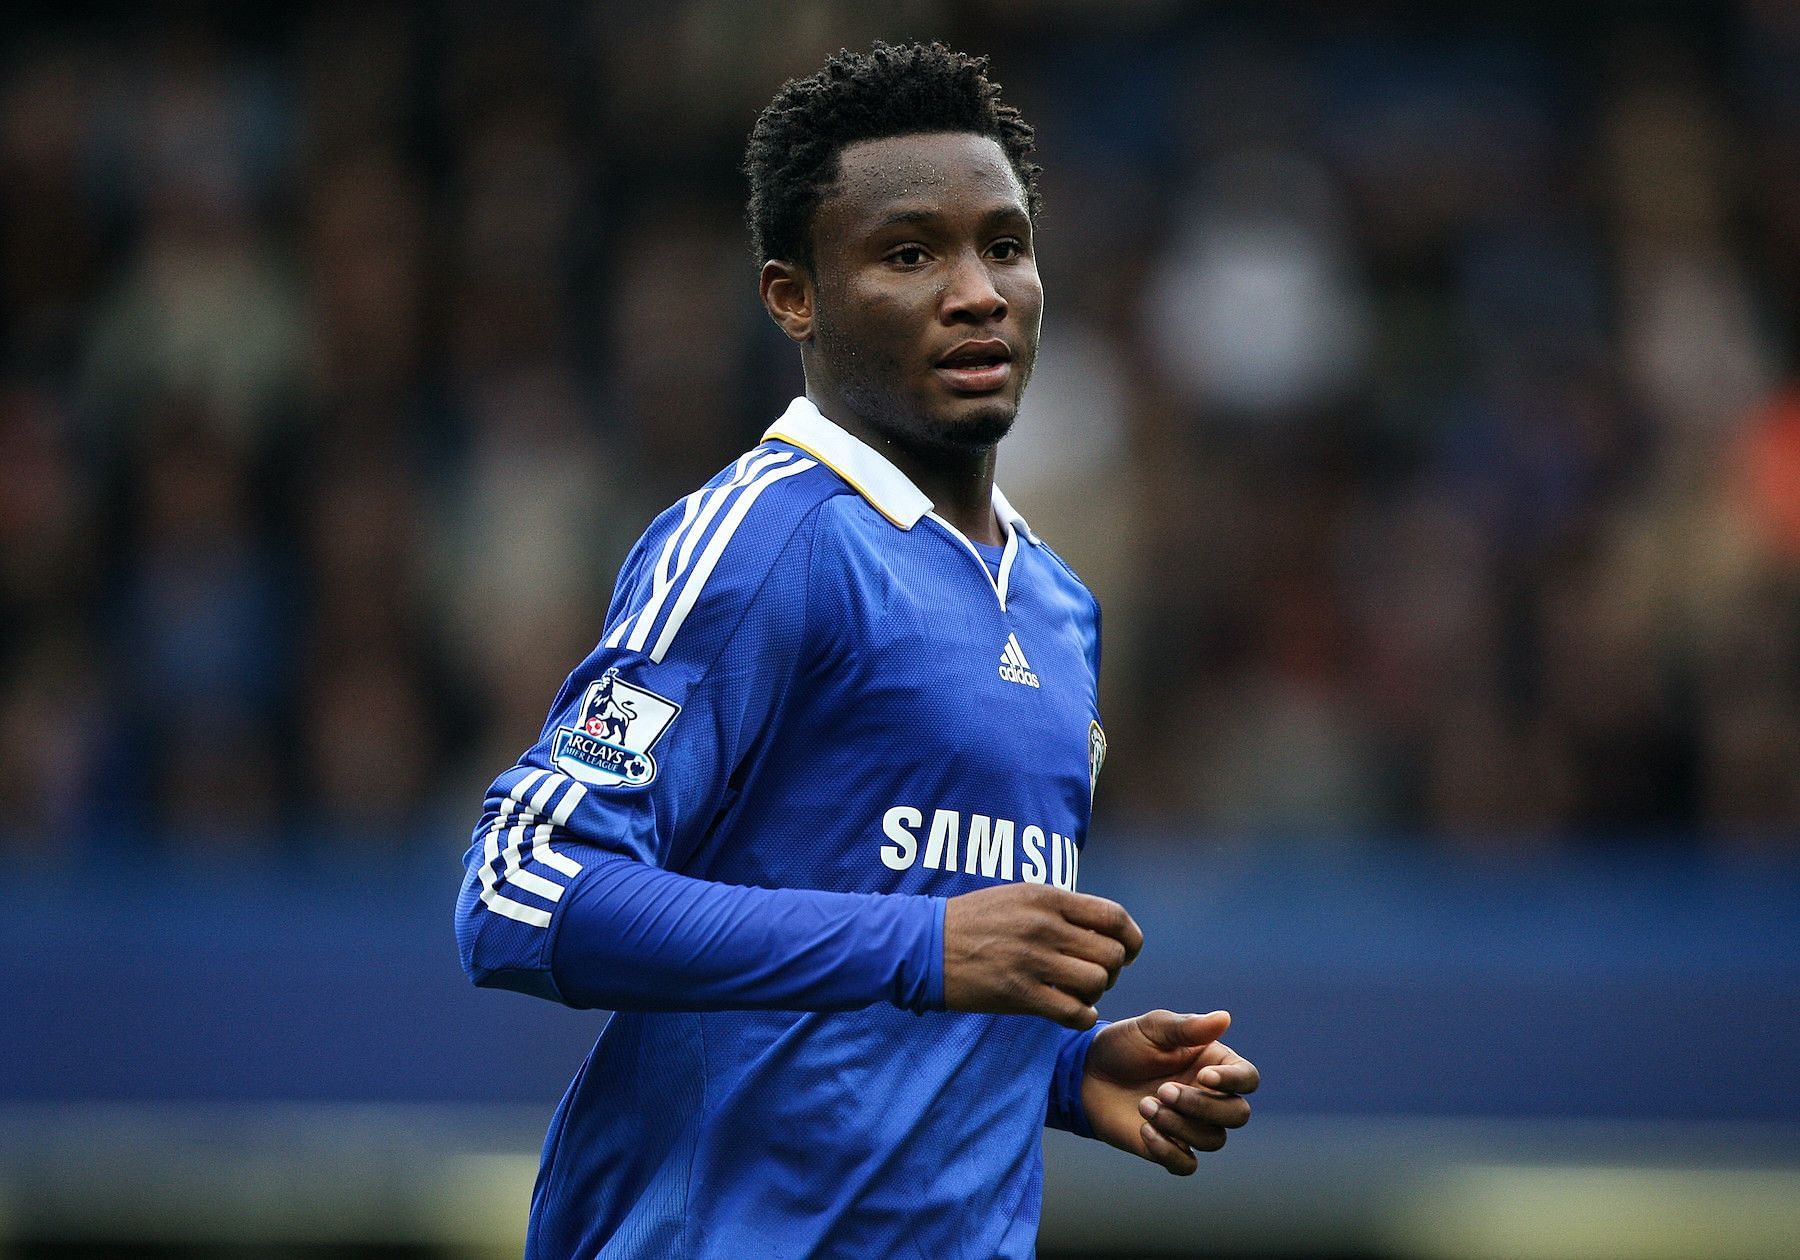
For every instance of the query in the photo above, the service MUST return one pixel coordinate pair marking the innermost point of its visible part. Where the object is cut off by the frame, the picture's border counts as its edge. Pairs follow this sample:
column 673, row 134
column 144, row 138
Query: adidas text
column 1012, row 673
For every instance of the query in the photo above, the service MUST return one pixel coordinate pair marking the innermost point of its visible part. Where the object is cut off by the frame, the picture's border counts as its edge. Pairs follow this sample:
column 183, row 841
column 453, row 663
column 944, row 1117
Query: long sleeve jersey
column 815, row 712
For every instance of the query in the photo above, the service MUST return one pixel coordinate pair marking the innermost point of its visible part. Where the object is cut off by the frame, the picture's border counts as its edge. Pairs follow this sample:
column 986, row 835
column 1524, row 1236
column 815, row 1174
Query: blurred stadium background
column 1420, row 395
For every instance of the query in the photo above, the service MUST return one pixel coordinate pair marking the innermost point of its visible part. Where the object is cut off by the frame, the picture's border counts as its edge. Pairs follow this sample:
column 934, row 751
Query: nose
column 970, row 295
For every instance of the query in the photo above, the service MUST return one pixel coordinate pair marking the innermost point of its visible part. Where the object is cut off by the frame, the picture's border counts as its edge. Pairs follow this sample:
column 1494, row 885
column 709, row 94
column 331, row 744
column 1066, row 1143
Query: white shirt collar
column 866, row 470
column 1010, row 518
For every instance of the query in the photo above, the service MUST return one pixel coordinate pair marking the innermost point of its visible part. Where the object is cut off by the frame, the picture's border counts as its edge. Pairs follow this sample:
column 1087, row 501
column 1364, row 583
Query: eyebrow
column 901, row 218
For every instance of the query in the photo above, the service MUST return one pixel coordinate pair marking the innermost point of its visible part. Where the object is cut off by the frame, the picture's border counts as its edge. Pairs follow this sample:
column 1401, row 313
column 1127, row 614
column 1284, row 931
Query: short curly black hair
column 891, row 90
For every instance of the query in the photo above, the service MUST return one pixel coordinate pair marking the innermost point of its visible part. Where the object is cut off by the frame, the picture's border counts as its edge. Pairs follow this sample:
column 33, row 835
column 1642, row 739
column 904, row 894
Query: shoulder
column 1063, row 574
column 768, row 488
column 1078, row 603
column 705, row 559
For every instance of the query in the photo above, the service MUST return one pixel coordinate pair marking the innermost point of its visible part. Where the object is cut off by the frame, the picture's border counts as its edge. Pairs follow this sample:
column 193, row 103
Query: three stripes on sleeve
column 754, row 473
column 538, row 804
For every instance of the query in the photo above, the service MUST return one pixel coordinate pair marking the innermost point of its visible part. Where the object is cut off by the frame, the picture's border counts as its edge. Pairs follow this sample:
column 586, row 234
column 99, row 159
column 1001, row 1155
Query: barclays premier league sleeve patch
column 615, row 728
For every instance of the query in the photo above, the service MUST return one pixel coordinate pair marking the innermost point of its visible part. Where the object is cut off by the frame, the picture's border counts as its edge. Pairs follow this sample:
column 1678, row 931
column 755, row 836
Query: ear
column 787, row 294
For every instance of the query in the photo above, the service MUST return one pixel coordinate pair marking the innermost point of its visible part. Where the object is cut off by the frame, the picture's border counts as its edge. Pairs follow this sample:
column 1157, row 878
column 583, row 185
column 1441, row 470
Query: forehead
column 935, row 172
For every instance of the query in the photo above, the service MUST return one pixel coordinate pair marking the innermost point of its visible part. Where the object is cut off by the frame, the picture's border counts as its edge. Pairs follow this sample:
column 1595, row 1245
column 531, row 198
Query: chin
column 922, row 422
column 976, row 426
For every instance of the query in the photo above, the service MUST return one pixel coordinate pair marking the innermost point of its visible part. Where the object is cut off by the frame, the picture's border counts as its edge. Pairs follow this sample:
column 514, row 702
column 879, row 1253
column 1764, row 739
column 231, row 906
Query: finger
column 1177, row 1128
column 1235, row 1074
column 1064, row 1008
column 1106, row 917
column 1077, row 977
column 1168, row 1031
column 1095, row 947
column 1160, row 1150
column 1204, row 1106
column 1180, row 1129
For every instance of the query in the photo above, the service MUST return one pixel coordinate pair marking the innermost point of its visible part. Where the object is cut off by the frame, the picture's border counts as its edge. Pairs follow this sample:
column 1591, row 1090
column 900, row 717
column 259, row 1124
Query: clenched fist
column 1030, row 949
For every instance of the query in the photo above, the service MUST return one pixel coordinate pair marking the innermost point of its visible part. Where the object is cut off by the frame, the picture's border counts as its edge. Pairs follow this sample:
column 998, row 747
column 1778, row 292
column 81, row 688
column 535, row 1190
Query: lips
column 976, row 367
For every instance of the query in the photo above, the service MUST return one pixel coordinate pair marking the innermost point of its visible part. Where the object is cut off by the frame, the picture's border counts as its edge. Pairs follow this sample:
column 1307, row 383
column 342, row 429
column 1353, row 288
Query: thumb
column 1168, row 1031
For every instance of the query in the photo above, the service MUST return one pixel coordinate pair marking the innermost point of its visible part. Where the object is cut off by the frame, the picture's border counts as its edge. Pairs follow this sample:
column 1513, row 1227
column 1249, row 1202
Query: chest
column 926, row 661
column 935, row 738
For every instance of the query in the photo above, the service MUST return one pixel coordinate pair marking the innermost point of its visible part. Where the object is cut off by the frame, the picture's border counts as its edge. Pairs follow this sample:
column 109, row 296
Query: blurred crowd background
column 1419, row 393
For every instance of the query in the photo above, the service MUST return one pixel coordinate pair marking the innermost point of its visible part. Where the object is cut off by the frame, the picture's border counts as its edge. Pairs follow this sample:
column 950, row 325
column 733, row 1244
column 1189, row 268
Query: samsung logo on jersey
column 977, row 844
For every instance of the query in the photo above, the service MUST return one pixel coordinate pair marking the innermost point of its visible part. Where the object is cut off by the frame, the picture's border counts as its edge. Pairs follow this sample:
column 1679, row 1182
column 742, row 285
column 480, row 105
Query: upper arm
column 708, row 625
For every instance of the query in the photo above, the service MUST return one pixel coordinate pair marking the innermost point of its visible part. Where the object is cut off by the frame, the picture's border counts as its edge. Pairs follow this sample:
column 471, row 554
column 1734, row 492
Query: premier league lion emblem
column 609, row 743
column 609, row 717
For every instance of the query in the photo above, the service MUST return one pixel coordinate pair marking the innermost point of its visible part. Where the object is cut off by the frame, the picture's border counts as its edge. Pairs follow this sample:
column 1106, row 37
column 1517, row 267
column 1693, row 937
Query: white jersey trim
column 866, row 470
column 888, row 490
column 863, row 468
column 995, row 584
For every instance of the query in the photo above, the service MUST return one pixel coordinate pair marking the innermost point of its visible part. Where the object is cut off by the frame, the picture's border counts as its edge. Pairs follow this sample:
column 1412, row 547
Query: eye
column 907, row 255
column 1007, row 248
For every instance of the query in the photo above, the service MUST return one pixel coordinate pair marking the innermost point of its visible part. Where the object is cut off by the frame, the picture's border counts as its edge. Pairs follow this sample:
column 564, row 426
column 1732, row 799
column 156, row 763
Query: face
column 926, row 298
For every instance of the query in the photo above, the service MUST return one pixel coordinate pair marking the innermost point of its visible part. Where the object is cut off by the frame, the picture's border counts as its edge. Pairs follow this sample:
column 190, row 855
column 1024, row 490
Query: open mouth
column 977, row 367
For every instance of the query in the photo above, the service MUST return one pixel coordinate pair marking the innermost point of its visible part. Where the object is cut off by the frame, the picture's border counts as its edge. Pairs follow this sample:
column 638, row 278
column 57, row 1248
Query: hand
column 1163, row 1086
column 1030, row 949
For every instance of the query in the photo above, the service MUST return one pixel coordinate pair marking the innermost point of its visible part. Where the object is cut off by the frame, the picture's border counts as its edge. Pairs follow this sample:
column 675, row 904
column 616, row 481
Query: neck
column 958, row 481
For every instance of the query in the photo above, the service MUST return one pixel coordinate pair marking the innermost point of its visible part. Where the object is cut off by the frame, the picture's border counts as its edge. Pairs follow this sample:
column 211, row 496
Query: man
column 825, row 872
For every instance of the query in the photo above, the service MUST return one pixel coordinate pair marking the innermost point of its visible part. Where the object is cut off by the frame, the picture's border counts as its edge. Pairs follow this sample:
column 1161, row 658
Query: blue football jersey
column 814, row 713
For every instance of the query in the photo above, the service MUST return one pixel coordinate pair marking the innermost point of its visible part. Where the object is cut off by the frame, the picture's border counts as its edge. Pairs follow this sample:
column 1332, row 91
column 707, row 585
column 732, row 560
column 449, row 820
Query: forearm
column 630, row 936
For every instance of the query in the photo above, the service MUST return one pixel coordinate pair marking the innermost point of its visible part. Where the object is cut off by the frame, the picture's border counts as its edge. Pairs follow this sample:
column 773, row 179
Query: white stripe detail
column 1012, row 641
column 1010, row 553
column 560, row 862
column 539, row 845
column 525, row 784
column 513, row 910
column 714, row 499
column 490, row 895
column 517, row 855
column 540, row 849
column 551, row 783
column 994, row 586
column 863, row 468
column 540, row 786
column 689, row 506
column 767, row 460
column 618, row 634
column 696, row 582
column 517, row 875
column 566, row 807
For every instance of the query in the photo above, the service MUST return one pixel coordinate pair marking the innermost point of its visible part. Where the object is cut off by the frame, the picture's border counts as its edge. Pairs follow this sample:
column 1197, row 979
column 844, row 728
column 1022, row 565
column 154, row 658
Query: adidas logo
column 1013, row 665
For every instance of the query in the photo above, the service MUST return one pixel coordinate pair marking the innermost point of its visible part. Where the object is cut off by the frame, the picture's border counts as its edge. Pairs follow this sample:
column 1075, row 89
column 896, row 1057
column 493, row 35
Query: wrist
column 1068, row 1083
column 917, row 980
